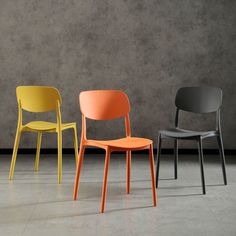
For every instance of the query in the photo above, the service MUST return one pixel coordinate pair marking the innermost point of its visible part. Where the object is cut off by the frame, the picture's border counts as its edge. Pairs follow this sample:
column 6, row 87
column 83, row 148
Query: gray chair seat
column 186, row 134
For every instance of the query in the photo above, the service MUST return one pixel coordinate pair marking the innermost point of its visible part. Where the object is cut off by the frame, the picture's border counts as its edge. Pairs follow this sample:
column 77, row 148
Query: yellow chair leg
column 76, row 146
column 14, row 155
column 59, row 148
column 39, row 141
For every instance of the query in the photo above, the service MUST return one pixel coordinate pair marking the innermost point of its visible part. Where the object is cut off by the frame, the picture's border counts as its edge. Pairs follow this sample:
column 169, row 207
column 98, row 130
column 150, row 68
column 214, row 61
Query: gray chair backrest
column 199, row 99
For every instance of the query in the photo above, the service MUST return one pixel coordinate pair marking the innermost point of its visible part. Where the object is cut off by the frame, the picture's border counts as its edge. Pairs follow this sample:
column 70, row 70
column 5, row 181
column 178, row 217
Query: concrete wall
column 148, row 48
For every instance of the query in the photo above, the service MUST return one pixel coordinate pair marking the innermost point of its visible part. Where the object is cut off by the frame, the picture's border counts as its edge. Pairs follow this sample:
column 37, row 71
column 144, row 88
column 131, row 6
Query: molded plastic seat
column 109, row 105
column 132, row 143
column 41, row 99
column 46, row 126
column 200, row 100
column 186, row 134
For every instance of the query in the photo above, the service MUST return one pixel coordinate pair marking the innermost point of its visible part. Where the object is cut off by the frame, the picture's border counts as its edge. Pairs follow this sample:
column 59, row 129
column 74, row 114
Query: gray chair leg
column 176, row 158
column 200, row 151
column 222, row 155
column 158, row 160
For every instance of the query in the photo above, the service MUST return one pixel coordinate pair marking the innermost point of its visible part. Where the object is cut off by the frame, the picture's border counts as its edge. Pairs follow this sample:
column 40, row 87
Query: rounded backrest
column 199, row 99
column 104, row 104
column 38, row 98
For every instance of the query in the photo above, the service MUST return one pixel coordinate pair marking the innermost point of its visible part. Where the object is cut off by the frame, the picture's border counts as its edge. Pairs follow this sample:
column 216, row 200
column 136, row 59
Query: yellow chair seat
column 46, row 126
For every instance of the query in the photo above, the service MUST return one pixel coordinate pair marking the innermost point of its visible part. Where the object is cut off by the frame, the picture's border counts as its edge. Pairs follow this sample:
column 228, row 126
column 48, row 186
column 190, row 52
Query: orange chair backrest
column 104, row 104
column 38, row 98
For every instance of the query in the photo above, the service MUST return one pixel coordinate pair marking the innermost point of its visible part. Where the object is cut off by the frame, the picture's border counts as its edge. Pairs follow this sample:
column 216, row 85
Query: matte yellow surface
column 38, row 98
column 41, row 99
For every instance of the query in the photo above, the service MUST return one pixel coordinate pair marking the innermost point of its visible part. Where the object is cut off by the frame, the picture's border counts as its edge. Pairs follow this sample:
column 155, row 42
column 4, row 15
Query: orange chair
column 108, row 105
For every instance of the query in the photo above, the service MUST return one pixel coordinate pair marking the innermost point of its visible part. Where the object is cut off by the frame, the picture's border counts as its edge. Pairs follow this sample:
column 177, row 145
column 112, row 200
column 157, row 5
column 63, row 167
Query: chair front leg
column 39, row 141
column 14, row 155
column 59, row 153
column 158, row 160
column 176, row 158
column 76, row 145
column 78, row 170
column 151, row 160
column 128, row 171
column 201, row 161
column 222, row 155
column 104, row 187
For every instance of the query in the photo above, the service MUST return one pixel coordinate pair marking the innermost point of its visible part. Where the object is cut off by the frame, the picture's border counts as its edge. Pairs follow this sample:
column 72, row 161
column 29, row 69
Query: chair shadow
column 128, row 208
column 35, row 204
column 107, row 211
column 190, row 186
column 167, row 178
column 180, row 195
column 186, row 195
column 74, row 215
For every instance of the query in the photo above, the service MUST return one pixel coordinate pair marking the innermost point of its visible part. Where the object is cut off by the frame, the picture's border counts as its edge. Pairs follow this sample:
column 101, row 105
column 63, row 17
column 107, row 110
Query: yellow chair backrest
column 38, row 98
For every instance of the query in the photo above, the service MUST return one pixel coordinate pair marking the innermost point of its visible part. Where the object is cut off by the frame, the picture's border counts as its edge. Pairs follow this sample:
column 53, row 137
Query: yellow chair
column 41, row 99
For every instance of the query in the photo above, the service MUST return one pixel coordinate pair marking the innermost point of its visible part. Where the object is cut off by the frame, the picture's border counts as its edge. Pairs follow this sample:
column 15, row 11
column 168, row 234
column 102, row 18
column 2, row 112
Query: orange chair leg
column 128, row 171
column 151, row 159
column 78, row 169
column 104, row 187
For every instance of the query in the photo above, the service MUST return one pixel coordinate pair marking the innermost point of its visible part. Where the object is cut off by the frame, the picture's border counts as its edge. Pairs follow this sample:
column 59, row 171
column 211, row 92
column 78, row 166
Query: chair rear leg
column 151, row 160
column 158, row 160
column 201, row 161
column 104, row 187
column 39, row 141
column 222, row 155
column 78, row 170
column 59, row 151
column 128, row 171
column 176, row 158
column 14, row 155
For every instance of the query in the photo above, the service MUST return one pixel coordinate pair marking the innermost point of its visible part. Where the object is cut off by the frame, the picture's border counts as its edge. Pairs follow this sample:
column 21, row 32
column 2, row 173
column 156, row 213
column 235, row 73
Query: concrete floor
column 34, row 204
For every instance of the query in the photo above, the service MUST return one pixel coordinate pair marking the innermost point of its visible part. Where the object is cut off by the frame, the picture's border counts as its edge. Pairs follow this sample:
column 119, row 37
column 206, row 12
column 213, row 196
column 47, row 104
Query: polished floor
column 34, row 204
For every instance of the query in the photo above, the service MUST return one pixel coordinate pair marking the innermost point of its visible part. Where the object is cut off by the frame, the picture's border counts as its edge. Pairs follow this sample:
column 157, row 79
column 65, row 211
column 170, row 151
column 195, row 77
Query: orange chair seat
column 46, row 126
column 132, row 143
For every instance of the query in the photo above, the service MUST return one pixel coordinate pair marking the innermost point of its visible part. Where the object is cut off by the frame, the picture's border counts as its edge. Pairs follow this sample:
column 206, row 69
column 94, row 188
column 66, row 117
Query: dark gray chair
column 196, row 100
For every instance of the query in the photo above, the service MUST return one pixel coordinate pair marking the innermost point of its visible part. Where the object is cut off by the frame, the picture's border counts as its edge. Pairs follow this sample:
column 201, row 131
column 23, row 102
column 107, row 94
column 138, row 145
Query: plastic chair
column 108, row 105
column 196, row 100
column 41, row 99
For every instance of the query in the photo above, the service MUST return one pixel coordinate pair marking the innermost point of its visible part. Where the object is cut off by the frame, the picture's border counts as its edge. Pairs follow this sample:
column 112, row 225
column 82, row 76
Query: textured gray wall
column 148, row 48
